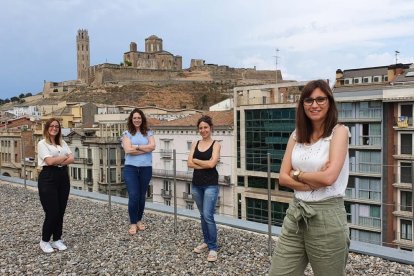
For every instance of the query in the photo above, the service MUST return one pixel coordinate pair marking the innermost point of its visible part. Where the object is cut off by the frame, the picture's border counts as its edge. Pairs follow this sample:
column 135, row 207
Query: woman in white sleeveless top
column 316, row 167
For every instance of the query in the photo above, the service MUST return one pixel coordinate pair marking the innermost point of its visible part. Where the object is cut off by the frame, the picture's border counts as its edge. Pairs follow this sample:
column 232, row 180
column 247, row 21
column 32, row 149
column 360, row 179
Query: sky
column 304, row 39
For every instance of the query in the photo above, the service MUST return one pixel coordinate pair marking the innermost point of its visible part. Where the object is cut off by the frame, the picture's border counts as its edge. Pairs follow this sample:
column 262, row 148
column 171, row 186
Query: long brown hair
column 46, row 135
column 143, row 128
column 304, row 126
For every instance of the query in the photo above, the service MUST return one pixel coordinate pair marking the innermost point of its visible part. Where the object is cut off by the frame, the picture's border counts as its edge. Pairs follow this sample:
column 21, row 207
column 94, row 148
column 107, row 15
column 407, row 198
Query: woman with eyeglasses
column 54, row 156
column 316, row 167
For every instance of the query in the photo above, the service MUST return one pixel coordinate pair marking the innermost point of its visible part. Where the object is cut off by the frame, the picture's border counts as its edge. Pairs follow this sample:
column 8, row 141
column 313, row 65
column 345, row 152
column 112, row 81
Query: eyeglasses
column 318, row 100
column 54, row 126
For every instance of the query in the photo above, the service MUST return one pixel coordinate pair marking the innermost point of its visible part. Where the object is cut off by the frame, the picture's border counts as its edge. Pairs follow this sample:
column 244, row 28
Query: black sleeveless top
column 204, row 177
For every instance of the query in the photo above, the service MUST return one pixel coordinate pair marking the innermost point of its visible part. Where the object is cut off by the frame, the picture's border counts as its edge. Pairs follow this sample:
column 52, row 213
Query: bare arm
column 56, row 160
column 285, row 177
column 330, row 172
column 129, row 148
column 215, row 157
column 190, row 162
column 148, row 147
column 69, row 159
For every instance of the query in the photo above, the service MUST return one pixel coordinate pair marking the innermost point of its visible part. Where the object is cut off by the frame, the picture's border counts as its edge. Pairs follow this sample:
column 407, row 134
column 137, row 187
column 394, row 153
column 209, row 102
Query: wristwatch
column 296, row 175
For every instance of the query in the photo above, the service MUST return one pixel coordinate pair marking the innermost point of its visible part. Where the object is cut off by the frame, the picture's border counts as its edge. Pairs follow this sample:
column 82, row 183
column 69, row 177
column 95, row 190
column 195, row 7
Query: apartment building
column 17, row 148
column 378, row 111
column 264, row 119
column 178, row 135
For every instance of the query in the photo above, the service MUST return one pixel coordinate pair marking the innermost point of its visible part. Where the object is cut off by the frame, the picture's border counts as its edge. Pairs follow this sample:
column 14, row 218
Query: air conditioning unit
column 227, row 178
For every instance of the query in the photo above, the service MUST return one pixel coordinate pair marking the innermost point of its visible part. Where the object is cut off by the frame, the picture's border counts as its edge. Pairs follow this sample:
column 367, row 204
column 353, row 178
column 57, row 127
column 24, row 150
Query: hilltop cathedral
column 152, row 65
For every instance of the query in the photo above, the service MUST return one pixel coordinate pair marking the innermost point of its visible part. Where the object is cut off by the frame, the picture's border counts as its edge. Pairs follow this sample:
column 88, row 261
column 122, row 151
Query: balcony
column 404, row 122
column 372, row 113
column 363, row 196
column 80, row 160
column 166, row 193
column 166, row 153
column 369, row 222
column 365, row 168
column 88, row 181
column 188, row 197
column 89, row 161
column 184, row 175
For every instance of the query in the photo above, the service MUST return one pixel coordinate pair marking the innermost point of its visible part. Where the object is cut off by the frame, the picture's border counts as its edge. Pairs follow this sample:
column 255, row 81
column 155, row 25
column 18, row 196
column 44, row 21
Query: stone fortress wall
column 154, row 64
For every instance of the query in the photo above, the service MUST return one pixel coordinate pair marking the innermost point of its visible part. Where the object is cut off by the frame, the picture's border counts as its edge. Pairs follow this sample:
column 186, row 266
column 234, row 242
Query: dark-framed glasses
column 318, row 100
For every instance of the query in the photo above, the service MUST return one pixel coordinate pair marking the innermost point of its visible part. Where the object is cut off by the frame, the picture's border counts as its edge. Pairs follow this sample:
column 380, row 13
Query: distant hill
column 172, row 94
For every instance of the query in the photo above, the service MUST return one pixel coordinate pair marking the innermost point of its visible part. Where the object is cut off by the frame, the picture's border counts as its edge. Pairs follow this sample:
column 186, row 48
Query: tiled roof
column 220, row 118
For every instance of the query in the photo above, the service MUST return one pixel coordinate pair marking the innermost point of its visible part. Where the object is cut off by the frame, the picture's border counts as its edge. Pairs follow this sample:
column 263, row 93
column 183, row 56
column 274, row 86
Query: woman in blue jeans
column 138, row 143
column 203, row 158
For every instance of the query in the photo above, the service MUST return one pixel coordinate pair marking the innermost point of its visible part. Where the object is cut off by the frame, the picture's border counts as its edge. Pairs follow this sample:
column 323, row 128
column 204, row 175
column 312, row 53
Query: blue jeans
column 206, row 198
column 137, row 180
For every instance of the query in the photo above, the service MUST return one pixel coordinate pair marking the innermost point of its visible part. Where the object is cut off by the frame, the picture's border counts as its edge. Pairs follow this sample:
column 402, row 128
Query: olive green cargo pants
column 315, row 233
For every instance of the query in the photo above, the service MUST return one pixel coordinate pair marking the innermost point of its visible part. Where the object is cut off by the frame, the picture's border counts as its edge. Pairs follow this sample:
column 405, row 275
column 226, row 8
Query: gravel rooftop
column 98, row 244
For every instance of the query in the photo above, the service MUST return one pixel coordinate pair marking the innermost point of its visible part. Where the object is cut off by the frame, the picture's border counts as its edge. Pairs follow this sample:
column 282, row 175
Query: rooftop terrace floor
column 98, row 244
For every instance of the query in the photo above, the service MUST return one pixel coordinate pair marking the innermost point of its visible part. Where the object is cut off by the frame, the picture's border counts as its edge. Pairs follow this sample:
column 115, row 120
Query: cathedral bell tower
column 83, row 55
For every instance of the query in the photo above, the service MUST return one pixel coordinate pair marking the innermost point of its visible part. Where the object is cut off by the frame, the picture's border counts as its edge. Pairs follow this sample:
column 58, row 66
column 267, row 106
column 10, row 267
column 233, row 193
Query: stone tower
column 153, row 44
column 83, row 55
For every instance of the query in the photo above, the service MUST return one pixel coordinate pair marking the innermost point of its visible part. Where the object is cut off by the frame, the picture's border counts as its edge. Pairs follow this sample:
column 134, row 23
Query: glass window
column 406, row 229
column 406, row 201
column 259, row 182
column 406, row 143
column 257, row 210
column 267, row 131
column 405, row 172
column 112, row 175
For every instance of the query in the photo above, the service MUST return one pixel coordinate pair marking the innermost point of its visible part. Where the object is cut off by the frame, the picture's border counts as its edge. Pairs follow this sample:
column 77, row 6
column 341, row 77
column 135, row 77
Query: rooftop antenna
column 276, row 60
column 396, row 56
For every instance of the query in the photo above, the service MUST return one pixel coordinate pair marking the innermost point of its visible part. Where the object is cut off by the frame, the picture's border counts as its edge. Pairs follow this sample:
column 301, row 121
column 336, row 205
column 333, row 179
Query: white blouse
column 48, row 150
column 311, row 158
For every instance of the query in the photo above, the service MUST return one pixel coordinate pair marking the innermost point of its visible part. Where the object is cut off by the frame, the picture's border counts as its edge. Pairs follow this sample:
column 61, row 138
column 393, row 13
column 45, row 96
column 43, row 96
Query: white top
column 48, row 150
column 311, row 158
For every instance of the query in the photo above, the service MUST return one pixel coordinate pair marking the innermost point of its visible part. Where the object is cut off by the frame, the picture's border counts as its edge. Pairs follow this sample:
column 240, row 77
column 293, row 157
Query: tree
column 29, row 94
column 14, row 99
column 21, row 95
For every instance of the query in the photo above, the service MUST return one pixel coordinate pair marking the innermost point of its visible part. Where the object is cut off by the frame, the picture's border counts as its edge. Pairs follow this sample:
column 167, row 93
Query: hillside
column 187, row 94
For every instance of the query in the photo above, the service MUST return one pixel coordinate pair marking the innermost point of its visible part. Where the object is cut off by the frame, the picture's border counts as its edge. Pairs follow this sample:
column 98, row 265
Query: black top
column 204, row 177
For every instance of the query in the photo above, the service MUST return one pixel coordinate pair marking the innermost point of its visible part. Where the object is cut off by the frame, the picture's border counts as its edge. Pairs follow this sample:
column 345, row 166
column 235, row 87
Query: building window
column 267, row 130
column 259, row 182
column 369, row 216
column 190, row 206
column 189, row 143
column 405, row 172
column 370, row 162
column 406, row 227
column 112, row 156
column 256, row 210
column 167, row 185
column 366, row 79
column 377, row 79
column 366, row 236
column 406, row 143
column 112, row 175
column 406, row 201
column 167, row 202
column 370, row 189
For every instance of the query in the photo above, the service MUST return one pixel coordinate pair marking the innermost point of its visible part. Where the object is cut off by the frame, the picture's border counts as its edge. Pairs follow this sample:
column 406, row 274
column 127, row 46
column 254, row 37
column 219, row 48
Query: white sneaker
column 45, row 246
column 59, row 245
